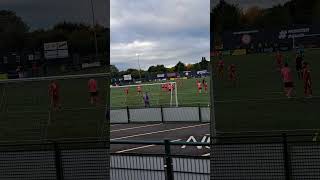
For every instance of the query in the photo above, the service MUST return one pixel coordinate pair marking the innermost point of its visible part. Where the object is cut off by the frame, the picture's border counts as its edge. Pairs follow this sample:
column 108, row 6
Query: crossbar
column 96, row 75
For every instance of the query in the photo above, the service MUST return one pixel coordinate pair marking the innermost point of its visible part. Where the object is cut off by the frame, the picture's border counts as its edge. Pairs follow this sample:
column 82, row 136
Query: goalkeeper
column 146, row 100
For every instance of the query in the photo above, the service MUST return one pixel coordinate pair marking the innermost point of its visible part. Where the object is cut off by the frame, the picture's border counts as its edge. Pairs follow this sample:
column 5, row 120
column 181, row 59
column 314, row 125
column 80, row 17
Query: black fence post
column 286, row 157
column 162, row 118
column 58, row 162
column 128, row 114
column 168, row 161
column 200, row 115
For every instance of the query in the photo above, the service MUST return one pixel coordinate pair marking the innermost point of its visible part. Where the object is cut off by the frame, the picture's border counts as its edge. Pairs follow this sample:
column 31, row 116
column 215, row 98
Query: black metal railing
column 161, row 166
column 284, row 156
column 89, row 159
column 275, row 156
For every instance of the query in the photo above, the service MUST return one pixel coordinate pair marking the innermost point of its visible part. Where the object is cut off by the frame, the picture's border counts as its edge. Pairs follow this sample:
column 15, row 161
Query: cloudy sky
column 162, row 32
column 46, row 13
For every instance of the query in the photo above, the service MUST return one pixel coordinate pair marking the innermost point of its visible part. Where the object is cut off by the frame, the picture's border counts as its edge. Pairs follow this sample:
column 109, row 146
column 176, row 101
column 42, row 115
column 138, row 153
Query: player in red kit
column 205, row 84
column 54, row 94
column 279, row 60
column 126, row 90
column 220, row 69
column 170, row 87
column 199, row 86
column 232, row 74
column 139, row 89
column 306, row 75
column 286, row 74
column 93, row 91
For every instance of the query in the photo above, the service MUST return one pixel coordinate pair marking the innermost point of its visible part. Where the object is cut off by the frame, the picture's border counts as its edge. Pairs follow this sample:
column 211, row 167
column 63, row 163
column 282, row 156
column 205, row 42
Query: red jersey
column 92, row 85
column 126, row 90
column 54, row 89
column 286, row 74
column 199, row 85
column 205, row 85
column 232, row 69
column 306, row 75
column 221, row 64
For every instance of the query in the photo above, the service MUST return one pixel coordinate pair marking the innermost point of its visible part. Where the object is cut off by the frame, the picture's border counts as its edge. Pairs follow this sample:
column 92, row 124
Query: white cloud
column 163, row 31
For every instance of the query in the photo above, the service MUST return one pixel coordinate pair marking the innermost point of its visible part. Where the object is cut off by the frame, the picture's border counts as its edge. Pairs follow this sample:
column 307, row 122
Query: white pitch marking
column 206, row 154
column 150, row 125
column 156, row 132
column 141, row 147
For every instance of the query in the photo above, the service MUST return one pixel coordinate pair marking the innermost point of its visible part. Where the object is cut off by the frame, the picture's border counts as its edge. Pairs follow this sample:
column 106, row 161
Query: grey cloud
column 45, row 13
column 177, row 30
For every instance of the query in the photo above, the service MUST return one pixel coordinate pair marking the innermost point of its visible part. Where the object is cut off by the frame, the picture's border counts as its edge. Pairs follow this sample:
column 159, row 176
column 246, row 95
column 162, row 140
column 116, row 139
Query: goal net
column 159, row 95
column 29, row 111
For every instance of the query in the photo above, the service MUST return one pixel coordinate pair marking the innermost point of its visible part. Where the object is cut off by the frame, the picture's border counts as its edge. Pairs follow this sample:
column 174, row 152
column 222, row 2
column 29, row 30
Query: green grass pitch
column 259, row 103
column 186, row 93
column 25, row 111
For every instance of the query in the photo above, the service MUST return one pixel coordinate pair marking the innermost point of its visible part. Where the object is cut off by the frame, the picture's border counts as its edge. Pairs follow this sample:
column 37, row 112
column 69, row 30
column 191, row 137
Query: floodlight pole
column 139, row 65
column 94, row 30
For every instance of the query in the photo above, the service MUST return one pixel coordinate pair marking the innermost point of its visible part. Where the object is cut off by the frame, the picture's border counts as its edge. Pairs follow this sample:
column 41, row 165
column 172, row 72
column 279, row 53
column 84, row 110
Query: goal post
column 153, row 89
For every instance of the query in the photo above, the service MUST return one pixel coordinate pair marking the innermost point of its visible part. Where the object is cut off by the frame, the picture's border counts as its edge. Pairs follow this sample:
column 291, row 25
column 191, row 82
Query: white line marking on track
column 206, row 155
column 150, row 125
column 141, row 147
column 156, row 132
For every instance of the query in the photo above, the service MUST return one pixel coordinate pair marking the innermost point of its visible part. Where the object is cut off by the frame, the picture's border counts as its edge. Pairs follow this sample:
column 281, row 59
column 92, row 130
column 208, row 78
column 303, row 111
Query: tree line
column 17, row 36
column 160, row 69
column 226, row 16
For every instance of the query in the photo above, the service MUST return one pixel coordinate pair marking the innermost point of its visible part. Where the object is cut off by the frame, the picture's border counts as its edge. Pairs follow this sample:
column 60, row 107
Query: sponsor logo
column 283, row 35
column 293, row 33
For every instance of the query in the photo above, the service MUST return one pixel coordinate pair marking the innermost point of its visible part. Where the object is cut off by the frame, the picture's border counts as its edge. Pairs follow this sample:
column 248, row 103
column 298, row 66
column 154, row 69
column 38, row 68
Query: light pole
column 94, row 30
column 139, row 65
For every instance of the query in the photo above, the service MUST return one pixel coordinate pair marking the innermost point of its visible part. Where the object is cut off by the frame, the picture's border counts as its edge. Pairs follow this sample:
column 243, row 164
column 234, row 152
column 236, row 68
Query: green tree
column 196, row 67
column 158, row 69
column 204, row 63
column 225, row 16
column 180, row 67
column 114, row 71
column 13, row 31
